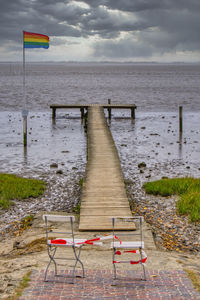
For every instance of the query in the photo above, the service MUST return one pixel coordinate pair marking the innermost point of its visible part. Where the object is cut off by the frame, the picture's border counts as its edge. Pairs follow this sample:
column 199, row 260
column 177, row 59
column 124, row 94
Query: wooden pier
column 84, row 107
column 103, row 194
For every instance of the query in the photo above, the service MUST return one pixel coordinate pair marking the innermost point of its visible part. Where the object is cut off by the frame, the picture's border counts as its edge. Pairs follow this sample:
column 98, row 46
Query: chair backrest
column 127, row 233
column 59, row 218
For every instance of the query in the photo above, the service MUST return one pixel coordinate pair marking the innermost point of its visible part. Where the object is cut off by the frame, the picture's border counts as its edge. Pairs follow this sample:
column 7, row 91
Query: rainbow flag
column 35, row 40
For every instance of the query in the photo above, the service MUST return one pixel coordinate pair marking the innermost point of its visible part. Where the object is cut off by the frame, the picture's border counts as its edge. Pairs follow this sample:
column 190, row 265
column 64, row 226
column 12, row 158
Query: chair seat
column 69, row 242
column 126, row 245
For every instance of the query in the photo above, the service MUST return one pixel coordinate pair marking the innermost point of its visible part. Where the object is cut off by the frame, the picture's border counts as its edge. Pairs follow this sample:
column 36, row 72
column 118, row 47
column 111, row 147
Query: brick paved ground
column 98, row 285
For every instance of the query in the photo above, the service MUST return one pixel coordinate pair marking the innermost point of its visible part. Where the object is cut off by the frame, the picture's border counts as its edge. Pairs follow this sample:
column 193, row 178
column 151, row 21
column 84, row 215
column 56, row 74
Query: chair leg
column 77, row 257
column 114, row 266
column 142, row 265
column 144, row 271
column 82, row 266
column 51, row 256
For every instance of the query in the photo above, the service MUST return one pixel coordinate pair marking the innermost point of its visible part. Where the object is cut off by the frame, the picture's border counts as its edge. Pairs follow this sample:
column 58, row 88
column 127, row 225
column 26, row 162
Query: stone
column 54, row 165
column 142, row 165
column 59, row 172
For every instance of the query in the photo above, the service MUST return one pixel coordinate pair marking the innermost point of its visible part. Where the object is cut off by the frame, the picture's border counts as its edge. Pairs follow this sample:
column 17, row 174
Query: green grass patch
column 77, row 209
column 14, row 187
column 81, row 181
column 24, row 283
column 187, row 188
column 194, row 278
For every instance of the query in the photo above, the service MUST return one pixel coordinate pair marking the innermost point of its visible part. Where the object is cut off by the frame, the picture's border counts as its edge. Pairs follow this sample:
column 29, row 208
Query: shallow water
column 152, row 87
column 156, row 89
column 152, row 138
column 62, row 143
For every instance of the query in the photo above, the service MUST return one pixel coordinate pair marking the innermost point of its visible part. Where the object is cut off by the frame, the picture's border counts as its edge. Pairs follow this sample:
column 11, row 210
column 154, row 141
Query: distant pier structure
column 84, row 107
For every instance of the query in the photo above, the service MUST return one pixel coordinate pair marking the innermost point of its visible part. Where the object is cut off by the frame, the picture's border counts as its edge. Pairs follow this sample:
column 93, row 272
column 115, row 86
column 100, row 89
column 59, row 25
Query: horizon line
column 106, row 62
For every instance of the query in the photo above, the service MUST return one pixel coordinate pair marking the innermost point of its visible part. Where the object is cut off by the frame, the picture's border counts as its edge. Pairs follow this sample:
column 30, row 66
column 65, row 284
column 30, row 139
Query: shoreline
column 171, row 231
column 152, row 138
column 60, row 195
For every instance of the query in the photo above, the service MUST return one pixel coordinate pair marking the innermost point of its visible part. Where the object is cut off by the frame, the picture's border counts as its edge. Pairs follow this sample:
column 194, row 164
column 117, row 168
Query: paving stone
column 98, row 284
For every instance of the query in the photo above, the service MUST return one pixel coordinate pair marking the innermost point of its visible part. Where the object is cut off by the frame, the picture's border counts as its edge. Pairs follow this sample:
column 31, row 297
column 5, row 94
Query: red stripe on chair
column 118, row 239
column 59, row 242
column 138, row 261
column 130, row 251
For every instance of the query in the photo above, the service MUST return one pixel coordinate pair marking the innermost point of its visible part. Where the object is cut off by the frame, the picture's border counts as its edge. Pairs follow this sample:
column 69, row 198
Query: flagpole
column 24, row 111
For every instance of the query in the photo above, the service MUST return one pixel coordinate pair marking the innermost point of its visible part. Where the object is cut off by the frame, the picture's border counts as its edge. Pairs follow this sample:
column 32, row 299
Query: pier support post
column 25, row 115
column 109, row 110
column 85, row 119
column 82, row 113
column 25, row 132
column 180, row 120
column 133, row 113
column 53, row 113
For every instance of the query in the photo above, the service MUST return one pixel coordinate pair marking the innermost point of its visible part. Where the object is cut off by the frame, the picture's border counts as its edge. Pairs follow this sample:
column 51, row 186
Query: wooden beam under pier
column 83, row 107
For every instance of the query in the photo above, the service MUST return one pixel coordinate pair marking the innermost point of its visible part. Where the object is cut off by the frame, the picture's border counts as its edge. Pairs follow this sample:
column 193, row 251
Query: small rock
column 54, row 165
column 59, row 172
column 148, row 176
column 142, row 165
column 16, row 245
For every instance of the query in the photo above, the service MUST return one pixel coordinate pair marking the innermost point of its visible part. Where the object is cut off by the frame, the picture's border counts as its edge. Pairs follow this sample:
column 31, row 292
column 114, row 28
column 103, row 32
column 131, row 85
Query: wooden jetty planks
column 103, row 194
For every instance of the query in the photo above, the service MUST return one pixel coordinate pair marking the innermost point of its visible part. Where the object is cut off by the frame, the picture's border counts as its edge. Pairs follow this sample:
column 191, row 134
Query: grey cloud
column 62, row 11
column 19, row 15
column 145, row 5
column 129, row 5
column 101, row 21
column 173, row 30
column 124, row 48
column 160, row 26
column 56, row 41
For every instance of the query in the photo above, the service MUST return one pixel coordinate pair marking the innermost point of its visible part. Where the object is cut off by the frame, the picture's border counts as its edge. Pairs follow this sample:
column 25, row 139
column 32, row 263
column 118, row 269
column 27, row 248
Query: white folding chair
column 128, row 243
column 65, row 239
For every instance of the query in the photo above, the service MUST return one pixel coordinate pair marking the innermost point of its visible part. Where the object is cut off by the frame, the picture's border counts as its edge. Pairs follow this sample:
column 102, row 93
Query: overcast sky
column 103, row 30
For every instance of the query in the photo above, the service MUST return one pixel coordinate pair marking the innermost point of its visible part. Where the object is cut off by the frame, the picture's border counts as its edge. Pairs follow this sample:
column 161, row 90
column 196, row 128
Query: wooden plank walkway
column 104, row 193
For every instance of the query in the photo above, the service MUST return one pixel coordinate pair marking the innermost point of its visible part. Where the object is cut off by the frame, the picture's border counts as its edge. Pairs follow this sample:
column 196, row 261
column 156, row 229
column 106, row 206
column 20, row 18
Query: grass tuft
column 194, row 278
column 187, row 188
column 81, row 182
column 14, row 187
column 23, row 284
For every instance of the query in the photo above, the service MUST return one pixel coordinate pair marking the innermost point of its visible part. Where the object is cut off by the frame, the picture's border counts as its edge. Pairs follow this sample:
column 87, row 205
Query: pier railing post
column 109, row 109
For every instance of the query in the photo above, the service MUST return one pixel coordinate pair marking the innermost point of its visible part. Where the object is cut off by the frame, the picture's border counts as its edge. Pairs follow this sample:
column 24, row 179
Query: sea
column 158, row 90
